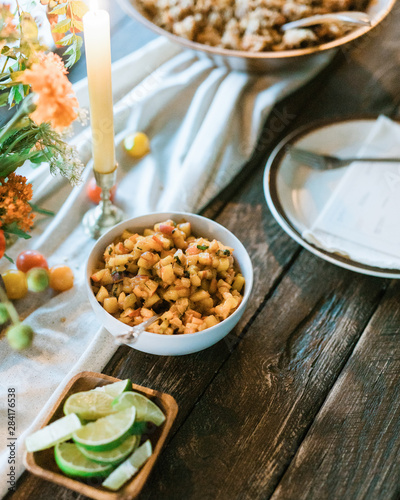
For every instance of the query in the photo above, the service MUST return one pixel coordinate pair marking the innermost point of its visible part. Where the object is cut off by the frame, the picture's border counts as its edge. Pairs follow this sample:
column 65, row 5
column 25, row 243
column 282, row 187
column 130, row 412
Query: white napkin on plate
column 361, row 220
column 203, row 122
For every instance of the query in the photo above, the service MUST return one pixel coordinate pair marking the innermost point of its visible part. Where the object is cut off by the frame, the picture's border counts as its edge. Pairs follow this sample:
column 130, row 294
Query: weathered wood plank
column 271, row 250
column 242, row 434
column 352, row 450
column 248, row 412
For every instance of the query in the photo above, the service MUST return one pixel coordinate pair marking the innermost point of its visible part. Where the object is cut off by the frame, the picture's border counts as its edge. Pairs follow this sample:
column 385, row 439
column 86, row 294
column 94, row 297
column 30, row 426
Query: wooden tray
column 42, row 463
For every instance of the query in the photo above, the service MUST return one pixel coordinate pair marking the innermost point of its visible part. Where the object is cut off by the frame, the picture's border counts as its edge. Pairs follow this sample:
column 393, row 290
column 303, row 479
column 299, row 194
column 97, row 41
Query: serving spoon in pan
column 350, row 17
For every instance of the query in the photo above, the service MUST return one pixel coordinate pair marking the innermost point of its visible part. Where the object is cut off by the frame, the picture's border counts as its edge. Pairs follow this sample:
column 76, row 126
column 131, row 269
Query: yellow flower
column 56, row 101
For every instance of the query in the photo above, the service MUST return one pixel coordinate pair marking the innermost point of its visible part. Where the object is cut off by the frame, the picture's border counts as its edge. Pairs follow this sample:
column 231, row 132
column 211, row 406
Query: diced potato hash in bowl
column 195, row 279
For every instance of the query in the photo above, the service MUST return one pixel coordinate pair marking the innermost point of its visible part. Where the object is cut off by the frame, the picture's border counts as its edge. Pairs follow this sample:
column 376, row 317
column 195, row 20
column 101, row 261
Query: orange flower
column 56, row 101
column 15, row 194
column 7, row 25
column 8, row 32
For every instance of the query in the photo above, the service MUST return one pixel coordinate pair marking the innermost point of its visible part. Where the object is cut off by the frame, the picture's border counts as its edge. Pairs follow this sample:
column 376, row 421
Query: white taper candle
column 96, row 25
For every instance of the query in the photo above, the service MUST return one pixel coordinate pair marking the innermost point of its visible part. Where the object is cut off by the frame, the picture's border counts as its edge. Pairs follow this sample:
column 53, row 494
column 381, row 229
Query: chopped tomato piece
column 166, row 229
column 121, row 249
column 135, row 313
column 193, row 250
column 159, row 247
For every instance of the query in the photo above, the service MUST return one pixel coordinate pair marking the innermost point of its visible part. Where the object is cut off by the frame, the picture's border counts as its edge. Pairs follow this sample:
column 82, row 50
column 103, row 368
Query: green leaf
column 15, row 95
column 8, row 52
column 67, row 40
column 40, row 210
column 37, row 159
column 73, row 59
column 59, row 9
column 11, row 163
column 14, row 229
column 3, row 98
column 29, row 27
column 14, row 75
column 62, row 27
column 71, row 49
column 8, row 258
column 79, row 8
column 78, row 25
column 74, row 51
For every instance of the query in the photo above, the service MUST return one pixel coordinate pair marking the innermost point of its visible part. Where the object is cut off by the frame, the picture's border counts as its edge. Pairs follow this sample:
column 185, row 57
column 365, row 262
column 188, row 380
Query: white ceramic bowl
column 173, row 345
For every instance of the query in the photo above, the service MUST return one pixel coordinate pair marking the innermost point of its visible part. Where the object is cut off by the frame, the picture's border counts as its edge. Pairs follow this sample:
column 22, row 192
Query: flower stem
column 17, row 140
column 5, row 64
column 10, row 308
column 26, row 107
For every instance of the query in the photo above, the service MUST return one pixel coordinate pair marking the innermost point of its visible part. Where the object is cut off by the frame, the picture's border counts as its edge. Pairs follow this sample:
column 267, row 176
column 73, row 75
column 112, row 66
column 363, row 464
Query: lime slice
column 107, row 432
column 139, row 428
column 54, row 433
column 113, row 456
column 146, row 410
column 73, row 463
column 128, row 469
column 89, row 405
column 116, row 388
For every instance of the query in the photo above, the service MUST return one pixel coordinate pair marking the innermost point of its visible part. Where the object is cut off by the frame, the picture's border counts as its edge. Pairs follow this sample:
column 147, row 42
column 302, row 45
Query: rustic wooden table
column 303, row 399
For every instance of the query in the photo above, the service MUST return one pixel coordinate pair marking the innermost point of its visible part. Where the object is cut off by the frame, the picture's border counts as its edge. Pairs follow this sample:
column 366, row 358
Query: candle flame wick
column 94, row 5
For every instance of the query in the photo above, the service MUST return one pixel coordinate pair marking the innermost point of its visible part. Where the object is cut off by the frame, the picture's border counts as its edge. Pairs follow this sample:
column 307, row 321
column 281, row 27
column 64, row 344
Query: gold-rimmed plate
column 296, row 194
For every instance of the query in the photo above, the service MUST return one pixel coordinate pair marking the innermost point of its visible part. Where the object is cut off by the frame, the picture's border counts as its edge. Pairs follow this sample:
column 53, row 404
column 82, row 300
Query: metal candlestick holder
column 100, row 219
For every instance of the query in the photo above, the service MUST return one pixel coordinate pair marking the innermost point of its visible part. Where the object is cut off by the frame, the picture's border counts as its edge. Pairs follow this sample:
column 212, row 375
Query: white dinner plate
column 296, row 194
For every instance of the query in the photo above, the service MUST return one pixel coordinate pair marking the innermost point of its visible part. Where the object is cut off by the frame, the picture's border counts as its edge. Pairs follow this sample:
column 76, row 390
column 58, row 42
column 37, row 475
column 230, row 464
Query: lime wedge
column 128, row 469
column 113, row 456
column 116, row 388
column 54, row 433
column 139, row 428
column 146, row 410
column 89, row 405
column 71, row 461
column 107, row 432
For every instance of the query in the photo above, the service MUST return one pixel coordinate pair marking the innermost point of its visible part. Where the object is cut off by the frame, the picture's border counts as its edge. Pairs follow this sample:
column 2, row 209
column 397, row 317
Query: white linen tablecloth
column 203, row 122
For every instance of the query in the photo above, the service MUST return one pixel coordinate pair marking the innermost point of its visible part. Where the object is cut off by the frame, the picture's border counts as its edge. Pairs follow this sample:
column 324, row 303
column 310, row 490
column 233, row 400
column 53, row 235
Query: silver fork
column 133, row 333
column 326, row 162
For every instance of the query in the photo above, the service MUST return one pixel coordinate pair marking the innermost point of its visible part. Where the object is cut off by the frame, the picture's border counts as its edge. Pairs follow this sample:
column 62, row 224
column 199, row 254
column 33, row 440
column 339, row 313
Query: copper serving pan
column 267, row 62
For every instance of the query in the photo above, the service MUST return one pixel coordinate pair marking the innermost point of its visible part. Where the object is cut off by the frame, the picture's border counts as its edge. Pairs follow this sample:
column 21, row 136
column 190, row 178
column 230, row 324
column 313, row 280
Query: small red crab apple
column 93, row 192
column 30, row 258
